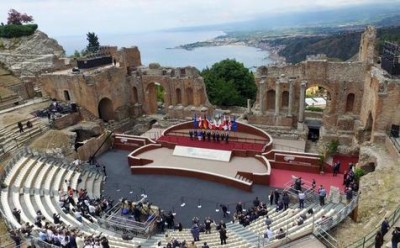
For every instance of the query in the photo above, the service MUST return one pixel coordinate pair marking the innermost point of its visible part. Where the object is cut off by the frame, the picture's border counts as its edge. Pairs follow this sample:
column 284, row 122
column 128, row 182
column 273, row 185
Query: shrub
column 314, row 109
column 333, row 146
column 358, row 173
column 14, row 31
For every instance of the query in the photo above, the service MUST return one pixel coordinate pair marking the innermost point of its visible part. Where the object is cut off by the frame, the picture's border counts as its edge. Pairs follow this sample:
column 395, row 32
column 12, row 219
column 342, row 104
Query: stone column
column 248, row 105
column 291, row 83
column 301, row 104
column 277, row 96
column 261, row 100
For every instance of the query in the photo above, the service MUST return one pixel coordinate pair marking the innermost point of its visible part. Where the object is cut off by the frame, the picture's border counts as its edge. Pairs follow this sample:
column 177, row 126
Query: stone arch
column 270, row 102
column 321, row 90
column 155, row 94
column 105, row 108
column 285, row 99
column 178, row 94
column 189, row 96
column 350, row 102
column 135, row 96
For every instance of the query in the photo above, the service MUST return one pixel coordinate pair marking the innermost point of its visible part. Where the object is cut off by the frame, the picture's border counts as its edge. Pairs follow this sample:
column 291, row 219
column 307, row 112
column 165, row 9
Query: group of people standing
column 208, row 135
column 379, row 238
column 21, row 126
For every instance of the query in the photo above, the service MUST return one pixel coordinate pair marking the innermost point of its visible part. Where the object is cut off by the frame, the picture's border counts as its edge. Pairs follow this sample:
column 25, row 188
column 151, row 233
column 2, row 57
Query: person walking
column 302, row 197
column 276, row 196
column 378, row 240
column 222, row 236
column 224, row 210
column 395, row 237
column 195, row 232
column 385, row 227
column 322, row 195
column 271, row 198
column 286, row 200
column 20, row 127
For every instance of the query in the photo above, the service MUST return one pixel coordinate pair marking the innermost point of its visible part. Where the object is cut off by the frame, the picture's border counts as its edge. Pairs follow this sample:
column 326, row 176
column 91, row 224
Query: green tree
column 229, row 83
column 76, row 54
column 94, row 44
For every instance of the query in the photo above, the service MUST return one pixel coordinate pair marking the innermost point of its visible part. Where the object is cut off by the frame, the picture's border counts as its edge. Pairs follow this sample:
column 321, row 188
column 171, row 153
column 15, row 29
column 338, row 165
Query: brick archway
column 152, row 96
column 105, row 108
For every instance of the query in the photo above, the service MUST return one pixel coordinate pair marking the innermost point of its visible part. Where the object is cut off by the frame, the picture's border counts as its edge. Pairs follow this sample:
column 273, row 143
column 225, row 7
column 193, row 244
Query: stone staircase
column 87, row 115
column 11, row 138
column 244, row 179
column 244, row 233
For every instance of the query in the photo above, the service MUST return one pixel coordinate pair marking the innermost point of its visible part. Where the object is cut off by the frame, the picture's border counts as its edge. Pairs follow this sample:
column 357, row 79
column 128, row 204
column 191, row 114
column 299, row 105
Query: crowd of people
column 208, row 135
column 57, row 233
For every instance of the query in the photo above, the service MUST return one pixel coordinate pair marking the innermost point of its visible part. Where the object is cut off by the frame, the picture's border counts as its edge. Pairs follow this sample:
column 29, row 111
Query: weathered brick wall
column 131, row 95
column 339, row 78
column 67, row 120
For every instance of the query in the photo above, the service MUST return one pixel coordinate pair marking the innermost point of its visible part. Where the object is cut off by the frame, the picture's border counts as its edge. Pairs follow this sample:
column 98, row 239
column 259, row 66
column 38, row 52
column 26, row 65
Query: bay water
column 158, row 47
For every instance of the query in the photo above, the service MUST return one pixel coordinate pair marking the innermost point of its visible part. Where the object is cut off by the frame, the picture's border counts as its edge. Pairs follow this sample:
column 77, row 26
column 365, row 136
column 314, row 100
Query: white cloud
column 66, row 17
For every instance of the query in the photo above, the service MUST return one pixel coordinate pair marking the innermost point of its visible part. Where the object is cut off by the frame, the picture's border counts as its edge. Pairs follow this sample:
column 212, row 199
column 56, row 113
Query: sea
column 159, row 47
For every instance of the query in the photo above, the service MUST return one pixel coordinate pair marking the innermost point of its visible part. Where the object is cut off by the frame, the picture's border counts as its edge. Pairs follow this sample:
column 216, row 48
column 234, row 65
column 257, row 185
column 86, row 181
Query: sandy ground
column 21, row 113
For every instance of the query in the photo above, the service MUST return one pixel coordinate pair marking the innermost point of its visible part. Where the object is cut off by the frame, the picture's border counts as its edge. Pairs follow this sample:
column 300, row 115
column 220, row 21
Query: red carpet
column 280, row 177
column 186, row 141
column 344, row 161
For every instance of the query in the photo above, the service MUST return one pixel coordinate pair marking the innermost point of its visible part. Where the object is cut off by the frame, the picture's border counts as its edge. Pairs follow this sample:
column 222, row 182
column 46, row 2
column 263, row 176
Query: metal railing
column 369, row 239
column 319, row 227
column 113, row 219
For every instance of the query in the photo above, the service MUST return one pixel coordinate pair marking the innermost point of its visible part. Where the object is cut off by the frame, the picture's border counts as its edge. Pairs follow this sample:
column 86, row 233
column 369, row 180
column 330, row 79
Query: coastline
column 273, row 52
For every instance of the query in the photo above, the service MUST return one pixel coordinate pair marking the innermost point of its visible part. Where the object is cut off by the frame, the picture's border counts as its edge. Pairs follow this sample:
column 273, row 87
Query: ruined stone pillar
column 248, row 105
column 262, row 86
column 301, row 104
column 291, row 83
column 277, row 96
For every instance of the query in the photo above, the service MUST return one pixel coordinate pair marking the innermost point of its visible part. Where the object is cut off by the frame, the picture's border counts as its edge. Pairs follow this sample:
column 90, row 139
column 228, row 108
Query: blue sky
column 75, row 17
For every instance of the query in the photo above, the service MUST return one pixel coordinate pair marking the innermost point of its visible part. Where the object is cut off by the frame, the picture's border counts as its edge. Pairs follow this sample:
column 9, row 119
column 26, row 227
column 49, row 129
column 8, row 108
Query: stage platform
column 164, row 157
column 202, row 153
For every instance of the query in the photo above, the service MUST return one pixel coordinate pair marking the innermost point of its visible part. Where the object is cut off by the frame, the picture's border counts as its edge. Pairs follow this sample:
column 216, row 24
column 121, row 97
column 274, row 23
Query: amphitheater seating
column 35, row 184
column 11, row 138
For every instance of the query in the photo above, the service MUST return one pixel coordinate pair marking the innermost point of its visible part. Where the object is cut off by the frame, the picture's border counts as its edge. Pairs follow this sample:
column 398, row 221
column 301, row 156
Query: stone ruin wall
column 131, row 91
column 88, row 90
column 129, row 57
column 340, row 79
column 382, row 101
column 367, row 46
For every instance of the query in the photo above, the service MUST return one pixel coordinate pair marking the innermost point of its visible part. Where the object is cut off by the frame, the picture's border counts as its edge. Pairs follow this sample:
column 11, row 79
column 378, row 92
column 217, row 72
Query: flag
column 200, row 122
column 216, row 125
column 195, row 124
column 220, row 124
column 225, row 125
column 234, row 124
column 205, row 122
column 209, row 123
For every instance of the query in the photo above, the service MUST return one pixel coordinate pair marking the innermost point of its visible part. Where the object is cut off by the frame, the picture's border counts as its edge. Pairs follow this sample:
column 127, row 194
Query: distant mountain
column 339, row 46
column 377, row 13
